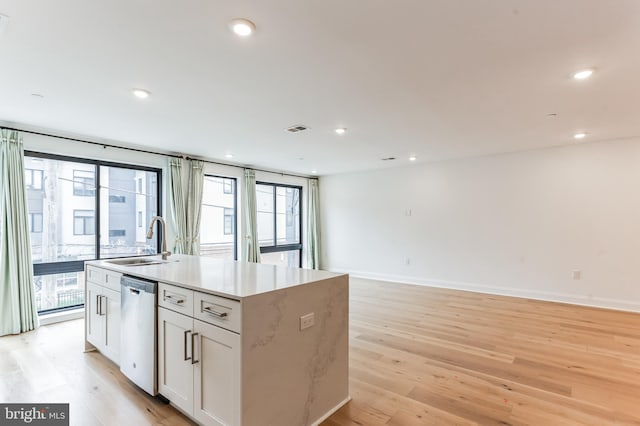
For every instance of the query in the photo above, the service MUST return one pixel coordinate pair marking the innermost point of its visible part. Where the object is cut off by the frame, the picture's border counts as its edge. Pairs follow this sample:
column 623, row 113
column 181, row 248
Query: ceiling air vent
column 297, row 128
column 389, row 159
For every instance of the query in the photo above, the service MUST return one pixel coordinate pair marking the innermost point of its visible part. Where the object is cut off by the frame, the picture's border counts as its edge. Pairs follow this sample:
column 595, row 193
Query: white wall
column 515, row 224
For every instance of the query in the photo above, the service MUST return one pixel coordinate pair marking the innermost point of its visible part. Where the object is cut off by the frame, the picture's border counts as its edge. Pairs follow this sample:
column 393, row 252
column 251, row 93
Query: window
column 279, row 224
column 136, row 195
column 84, row 183
column 68, row 214
column 218, row 224
column 33, row 178
column 35, row 223
column 228, row 221
column 67, row 280
column 84, row 222
column 228, row 186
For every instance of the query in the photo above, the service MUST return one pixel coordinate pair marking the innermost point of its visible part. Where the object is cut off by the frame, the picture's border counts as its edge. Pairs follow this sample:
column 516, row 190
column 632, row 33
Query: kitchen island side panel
column 292, row 376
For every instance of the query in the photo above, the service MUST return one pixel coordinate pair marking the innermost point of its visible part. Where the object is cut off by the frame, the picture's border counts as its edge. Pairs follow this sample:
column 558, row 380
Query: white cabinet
column 216, row 375
column 175, row 371
column 94, row 321
column 103, row 311
column 198, row 363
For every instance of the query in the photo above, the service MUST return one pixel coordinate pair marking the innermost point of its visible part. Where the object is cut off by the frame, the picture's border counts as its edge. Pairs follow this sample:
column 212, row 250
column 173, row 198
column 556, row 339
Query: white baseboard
column 330, row 412
column 596, row 302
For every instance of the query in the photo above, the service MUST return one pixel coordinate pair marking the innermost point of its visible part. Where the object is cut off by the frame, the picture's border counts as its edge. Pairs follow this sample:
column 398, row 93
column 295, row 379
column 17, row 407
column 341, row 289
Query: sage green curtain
column 17, row 299
column 176, row 200
column 313, row 225
column 250, row 218
column 194, row 206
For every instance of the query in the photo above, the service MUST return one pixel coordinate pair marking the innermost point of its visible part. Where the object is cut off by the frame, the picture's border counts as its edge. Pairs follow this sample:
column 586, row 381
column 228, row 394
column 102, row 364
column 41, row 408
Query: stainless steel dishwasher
column 138, row 331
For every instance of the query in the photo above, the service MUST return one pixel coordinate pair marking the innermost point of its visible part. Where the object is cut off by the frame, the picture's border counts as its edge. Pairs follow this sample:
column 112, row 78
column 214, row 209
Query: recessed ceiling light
column 581, row 75
column 229, row 155
column 242, row 27
column 579, row 135
column 413, row 158
column 314, row 172
column 341, row 130
column 141, row 93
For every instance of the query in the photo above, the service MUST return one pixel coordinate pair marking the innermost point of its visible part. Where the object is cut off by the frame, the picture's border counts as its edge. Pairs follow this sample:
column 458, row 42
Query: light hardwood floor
column 419, row 356
column 427, row 356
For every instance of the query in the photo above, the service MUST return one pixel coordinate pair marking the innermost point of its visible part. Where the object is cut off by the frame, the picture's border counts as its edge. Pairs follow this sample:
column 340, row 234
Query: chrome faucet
column 155, row 219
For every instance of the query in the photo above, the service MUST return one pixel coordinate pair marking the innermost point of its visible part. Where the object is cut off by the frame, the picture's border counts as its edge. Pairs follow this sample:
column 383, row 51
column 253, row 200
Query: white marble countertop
column 232, row 279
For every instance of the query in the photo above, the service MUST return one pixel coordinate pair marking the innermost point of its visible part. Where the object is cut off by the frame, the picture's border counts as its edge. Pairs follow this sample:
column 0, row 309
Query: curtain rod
column 185, row 157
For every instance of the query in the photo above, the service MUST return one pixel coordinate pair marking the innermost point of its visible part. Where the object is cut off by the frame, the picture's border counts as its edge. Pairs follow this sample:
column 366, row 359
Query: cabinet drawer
column 175, row 298
column 112, row 280
column 95, row 275
column 217, row 310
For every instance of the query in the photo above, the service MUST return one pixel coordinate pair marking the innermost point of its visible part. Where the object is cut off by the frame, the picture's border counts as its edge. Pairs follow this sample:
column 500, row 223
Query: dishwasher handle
column 134, row 290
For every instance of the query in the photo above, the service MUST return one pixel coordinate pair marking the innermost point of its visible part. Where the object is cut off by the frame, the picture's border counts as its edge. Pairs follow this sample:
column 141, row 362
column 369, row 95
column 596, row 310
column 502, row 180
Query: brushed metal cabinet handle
column 185, row 346
column 173, row 299
column 209, row 310
column 193, row 354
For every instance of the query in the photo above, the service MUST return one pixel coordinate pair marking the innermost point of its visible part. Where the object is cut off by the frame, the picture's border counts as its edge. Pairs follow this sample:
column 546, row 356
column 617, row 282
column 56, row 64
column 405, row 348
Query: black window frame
column 284, row 247
column 52, row 268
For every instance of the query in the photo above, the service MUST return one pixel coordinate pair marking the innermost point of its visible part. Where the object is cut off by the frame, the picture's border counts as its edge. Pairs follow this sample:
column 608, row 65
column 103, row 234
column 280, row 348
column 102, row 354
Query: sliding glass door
column 83, row 210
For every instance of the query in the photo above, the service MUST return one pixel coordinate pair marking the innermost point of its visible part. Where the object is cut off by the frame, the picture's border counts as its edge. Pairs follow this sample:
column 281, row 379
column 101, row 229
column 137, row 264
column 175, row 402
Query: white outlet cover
column 307, row 321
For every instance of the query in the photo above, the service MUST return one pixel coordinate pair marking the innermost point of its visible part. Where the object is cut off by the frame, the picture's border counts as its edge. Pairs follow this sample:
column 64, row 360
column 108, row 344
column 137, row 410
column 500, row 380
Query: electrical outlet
column 307, row 321
column 576, row 274
column 408, row 261
column 407, row 212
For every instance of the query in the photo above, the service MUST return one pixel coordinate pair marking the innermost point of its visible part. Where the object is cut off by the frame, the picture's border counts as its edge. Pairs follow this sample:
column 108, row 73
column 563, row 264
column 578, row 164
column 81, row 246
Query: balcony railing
column 63, row 299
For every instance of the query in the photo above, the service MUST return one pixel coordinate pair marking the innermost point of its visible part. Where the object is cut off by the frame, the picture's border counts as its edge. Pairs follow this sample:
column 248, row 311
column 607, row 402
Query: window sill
column 55, row 317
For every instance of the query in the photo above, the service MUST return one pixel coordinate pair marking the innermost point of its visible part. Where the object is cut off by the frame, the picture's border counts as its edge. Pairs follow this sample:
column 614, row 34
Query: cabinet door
column 216, row 375
column 111, row 316
column 175, row 371
column 93, row 319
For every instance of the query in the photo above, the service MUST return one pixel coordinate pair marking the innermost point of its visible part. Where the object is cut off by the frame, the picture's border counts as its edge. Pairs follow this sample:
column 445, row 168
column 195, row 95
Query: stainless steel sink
column 136, row 262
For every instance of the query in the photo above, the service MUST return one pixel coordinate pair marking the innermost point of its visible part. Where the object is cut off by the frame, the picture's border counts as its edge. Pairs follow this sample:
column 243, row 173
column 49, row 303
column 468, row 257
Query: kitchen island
column 238, row 343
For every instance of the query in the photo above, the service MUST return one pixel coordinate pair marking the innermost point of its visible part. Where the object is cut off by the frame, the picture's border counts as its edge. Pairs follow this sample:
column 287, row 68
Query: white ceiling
column 439, row 79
